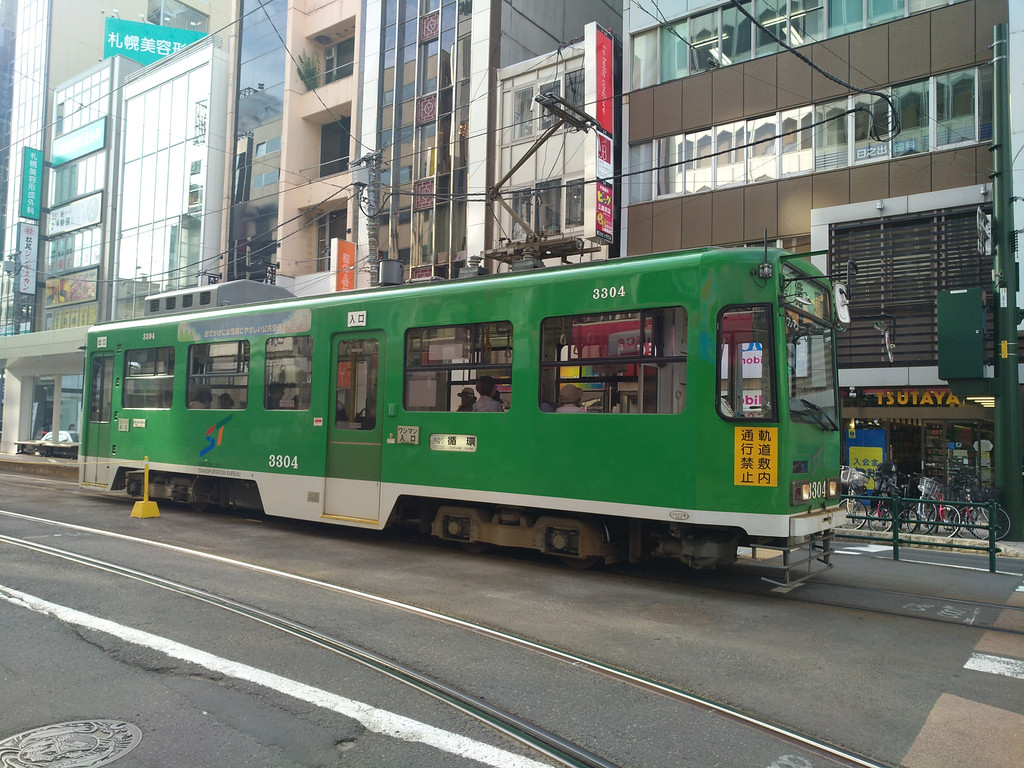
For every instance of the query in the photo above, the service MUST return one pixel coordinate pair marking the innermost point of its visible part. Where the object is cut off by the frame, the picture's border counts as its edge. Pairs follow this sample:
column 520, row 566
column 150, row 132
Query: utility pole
column 1006, row 280
column 367, row 175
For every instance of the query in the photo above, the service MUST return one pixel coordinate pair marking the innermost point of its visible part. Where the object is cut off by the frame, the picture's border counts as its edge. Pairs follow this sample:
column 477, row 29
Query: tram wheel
column 475, row 547
column 582, row 563
column 200, row 506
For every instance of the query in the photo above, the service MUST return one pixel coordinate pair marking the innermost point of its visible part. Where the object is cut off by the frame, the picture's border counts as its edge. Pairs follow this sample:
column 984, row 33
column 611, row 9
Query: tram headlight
column 833, row 487
column 799, row 492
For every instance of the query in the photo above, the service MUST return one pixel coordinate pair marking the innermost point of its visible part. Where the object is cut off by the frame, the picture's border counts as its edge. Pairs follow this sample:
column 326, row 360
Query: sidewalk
column 1011, row 548
column 40, row 466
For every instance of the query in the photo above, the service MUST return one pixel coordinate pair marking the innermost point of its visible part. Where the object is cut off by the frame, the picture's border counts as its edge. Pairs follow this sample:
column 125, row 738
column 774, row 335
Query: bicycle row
column 920, row 504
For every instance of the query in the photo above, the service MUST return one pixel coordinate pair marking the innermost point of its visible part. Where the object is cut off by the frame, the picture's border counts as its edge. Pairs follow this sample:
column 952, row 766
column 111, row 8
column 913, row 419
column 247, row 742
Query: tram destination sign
column 268, row 324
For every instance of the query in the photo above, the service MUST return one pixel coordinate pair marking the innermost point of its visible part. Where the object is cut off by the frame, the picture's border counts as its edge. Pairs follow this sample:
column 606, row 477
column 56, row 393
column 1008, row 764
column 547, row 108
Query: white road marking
column 864, row 549
column 372, row 718
column 996, row 665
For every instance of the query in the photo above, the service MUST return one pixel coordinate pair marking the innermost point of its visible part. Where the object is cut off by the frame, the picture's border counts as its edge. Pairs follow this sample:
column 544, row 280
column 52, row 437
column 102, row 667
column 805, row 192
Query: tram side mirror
column 842, row 302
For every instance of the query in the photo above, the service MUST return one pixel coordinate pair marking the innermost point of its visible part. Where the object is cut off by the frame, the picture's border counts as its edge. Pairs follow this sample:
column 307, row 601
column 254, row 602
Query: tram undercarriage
column 580, row 541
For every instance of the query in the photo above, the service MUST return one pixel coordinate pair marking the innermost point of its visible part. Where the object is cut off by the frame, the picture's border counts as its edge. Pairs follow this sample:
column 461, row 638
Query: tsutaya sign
column 903, row 396
column 144, row 43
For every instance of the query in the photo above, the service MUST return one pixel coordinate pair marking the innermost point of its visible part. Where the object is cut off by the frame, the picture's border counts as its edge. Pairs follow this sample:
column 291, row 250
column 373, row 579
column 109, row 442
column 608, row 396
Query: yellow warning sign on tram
column 756, row 459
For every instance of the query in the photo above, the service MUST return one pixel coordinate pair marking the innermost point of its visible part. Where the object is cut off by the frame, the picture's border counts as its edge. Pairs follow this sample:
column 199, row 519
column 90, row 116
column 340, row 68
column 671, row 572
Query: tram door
column 96, row 432
column 352, row 489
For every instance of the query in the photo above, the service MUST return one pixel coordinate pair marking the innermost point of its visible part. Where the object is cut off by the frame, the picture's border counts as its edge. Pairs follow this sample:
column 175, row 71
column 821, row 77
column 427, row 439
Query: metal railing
column 895, row 515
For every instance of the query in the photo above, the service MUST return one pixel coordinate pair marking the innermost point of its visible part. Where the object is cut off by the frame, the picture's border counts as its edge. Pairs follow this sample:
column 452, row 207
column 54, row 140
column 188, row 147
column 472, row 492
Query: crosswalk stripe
column 996, row 665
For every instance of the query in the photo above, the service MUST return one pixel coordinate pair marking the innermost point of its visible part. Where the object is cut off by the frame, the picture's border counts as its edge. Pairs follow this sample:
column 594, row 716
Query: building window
column 547, row 119
column 704, row 48
column 645, row 59
column 700, row 165
column 574, row 203
column 626, row 362
column 806, row 18
column 522, row 204
column 549, row 207
column 640, row 176
column 831, row 146
column 797, row 137
column 575, row 92
column 334, row 146
column 912, row 102
column 522, row 113
column 736, row 35
column 948, row 110
column 675, row 53
column 670, row 165
column 730, row 154
column 329, row 226
column 955, row 108
column 338, row 59
column 870, row 119
column 762, row 154
column 845, row 16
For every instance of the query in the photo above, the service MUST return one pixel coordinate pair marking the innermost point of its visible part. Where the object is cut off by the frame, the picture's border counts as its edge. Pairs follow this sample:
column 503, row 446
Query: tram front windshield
column 809, row 346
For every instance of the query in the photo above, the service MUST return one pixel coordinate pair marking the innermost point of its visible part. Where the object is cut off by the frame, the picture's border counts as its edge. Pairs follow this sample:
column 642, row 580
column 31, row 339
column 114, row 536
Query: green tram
column 703, row 385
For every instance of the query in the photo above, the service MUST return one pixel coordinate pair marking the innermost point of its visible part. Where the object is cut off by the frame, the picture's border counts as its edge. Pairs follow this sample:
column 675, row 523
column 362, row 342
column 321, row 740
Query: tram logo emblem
column 214, row 435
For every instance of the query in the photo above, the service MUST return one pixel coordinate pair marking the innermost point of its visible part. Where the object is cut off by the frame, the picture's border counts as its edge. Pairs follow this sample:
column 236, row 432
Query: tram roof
column 704, row 256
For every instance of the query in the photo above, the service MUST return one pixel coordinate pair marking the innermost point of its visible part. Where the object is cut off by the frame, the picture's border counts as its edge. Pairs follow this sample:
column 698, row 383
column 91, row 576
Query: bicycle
column 938, row 514
column 854, row 483
column 974, row 514
column 881, row 513
column 976, row 520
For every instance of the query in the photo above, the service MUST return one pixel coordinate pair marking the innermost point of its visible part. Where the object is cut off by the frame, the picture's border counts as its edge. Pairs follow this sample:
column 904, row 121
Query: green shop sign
column 78, row 143
column 31, row 183
column 144, row 43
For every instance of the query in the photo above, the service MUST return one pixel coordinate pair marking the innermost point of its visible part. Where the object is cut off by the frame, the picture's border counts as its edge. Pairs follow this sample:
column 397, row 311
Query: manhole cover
column 78, row 744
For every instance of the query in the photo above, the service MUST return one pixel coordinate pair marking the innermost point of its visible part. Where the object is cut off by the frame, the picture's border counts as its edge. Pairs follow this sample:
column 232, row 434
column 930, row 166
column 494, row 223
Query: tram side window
column 289, row 373
column 100, row 391
column 218, row 375
column 621, row 362
column 443, row 361
column 148, row 378
column 746, row 364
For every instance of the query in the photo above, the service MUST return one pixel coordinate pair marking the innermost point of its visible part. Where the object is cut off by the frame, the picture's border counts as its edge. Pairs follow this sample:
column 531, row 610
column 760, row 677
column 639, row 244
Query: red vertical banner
column 345, row 274
column 605, row 106
column 605, row 215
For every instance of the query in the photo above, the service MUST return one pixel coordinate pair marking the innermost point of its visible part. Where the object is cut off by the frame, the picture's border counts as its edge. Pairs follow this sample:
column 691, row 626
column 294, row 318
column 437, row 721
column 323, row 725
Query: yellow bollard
column 145, row 508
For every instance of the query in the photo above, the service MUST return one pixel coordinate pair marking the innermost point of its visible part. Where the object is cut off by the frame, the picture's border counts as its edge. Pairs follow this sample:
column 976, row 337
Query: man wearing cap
column 569, row 397
column 468, row 397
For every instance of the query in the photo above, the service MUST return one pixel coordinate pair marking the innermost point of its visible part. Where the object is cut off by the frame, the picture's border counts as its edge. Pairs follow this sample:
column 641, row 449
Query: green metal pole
column 1007, row 410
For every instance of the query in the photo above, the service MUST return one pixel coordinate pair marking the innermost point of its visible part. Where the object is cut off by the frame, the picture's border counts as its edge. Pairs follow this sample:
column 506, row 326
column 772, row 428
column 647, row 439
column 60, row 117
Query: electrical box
column 961, row 328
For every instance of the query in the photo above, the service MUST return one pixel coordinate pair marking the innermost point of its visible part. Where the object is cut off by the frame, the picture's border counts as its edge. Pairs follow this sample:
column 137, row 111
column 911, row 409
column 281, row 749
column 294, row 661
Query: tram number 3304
column 609, row 292
column 278, row 461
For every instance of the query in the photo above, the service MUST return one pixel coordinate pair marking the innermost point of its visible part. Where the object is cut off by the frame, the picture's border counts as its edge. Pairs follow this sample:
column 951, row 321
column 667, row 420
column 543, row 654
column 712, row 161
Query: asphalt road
column 895, row 661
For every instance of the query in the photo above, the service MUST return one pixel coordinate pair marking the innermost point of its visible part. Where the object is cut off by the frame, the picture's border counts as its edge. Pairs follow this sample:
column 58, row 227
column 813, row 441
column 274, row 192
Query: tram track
column 549, row 744
column 918, row 609
column 950, row 617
